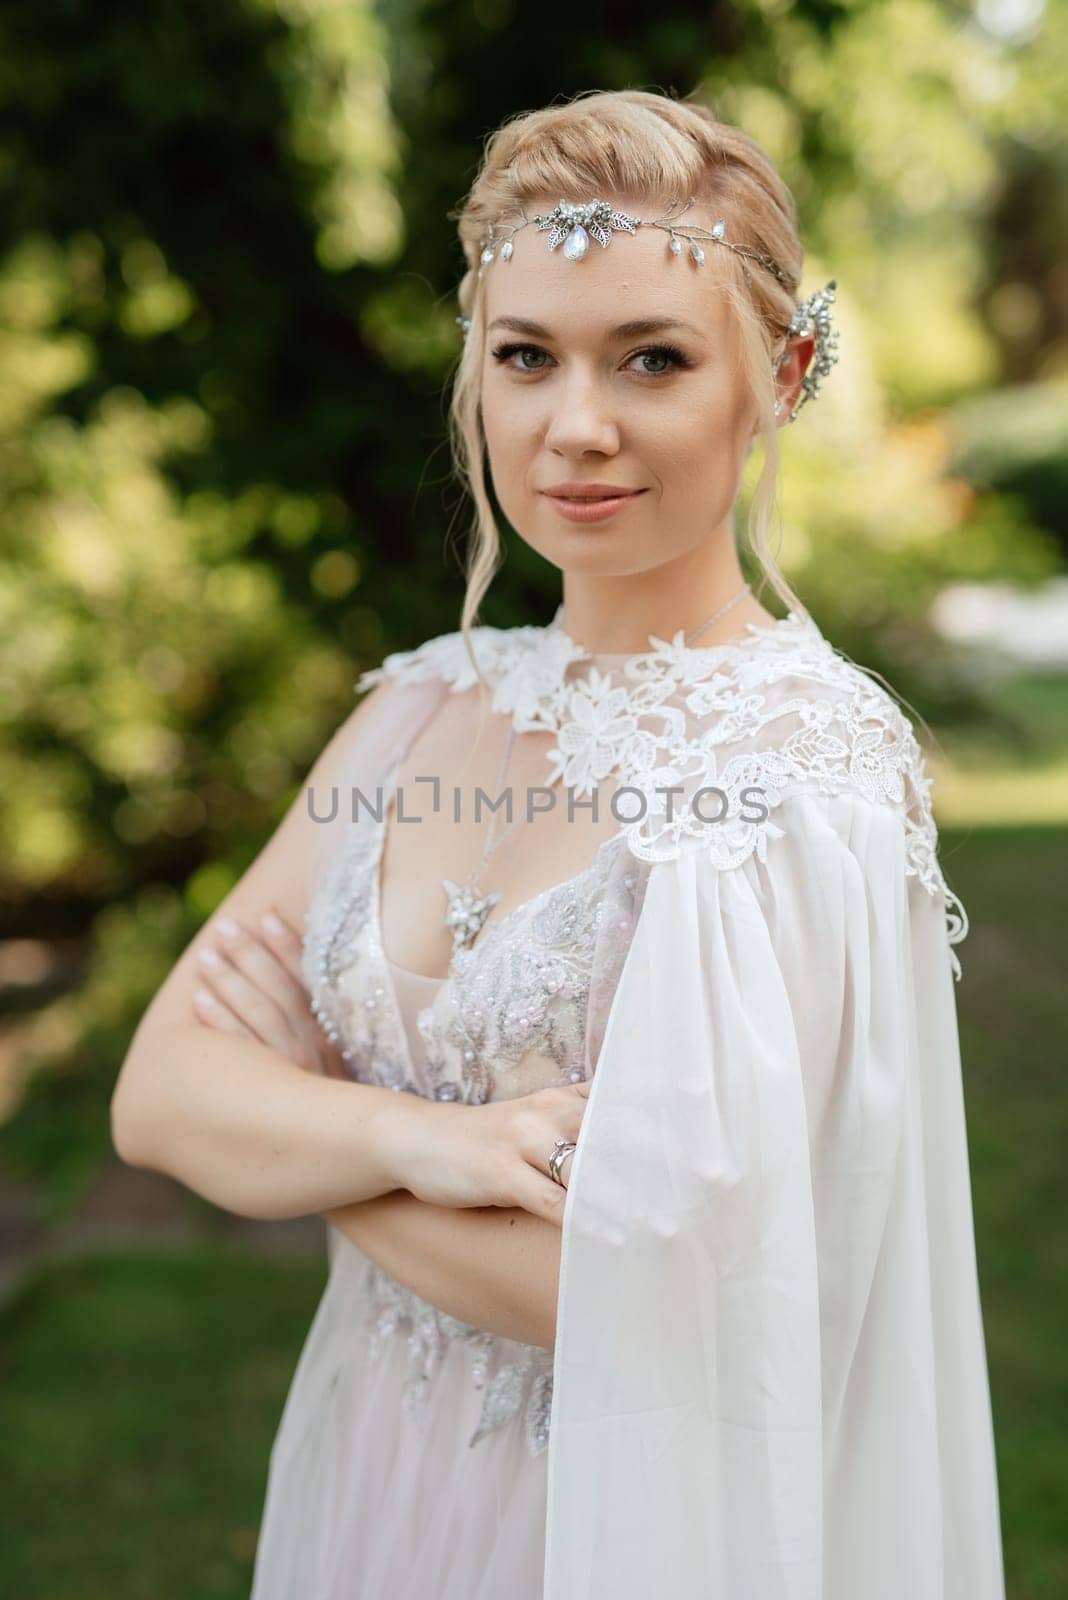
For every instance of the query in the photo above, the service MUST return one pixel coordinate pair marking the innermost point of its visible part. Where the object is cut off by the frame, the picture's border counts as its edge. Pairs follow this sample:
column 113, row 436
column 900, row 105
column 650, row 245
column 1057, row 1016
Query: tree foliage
column 226, row 328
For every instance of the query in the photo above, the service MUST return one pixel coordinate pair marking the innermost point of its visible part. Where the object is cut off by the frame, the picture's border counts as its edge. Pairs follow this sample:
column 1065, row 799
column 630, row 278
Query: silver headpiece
column 574, row 226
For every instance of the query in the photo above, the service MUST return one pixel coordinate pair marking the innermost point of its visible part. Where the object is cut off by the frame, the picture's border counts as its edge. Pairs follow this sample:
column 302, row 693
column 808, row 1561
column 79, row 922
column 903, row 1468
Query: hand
column 495, row 1154
column 255, row 988
column 446, row 1153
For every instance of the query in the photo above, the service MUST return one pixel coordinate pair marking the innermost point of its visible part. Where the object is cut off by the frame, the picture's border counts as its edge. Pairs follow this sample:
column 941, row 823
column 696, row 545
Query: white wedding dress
column 769, row 1379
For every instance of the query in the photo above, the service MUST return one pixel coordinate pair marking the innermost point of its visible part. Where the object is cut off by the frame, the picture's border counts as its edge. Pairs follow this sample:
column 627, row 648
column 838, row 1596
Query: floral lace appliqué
column 692, row 732
column 517, row 1002
column 515, row 1380
column 343, row 973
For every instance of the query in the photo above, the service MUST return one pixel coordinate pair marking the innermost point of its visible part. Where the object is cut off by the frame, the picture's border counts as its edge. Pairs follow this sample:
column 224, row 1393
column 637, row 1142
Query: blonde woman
column 635, row 1110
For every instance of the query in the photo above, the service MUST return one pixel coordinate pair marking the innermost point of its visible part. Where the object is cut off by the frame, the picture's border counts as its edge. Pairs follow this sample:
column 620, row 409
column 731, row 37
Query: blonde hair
column 631, row 142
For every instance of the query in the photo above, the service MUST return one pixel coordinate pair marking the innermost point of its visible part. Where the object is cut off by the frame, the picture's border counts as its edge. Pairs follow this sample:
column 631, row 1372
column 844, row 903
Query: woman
column 746, row 1357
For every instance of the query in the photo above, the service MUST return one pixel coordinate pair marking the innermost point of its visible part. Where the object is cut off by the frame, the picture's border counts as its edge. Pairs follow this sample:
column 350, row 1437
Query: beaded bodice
column 509, row 1018
column 513, row 1015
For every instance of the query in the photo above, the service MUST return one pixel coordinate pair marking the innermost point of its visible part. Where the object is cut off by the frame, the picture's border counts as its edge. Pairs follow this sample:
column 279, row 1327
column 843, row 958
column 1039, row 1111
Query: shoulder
column 799, row 721
column 787, row 714
column 831, row 722
column 446, row 657
column 788, row 709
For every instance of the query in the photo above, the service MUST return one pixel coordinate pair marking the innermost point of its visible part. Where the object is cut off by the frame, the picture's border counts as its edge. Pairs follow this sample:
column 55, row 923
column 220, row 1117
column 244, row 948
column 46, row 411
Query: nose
column 581, row 418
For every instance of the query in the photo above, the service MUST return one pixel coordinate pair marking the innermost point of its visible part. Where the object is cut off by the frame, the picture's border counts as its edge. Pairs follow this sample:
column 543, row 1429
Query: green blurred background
column 226, row 329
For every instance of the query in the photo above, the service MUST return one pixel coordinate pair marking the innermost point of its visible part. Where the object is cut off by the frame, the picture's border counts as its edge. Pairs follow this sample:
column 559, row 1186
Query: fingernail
column 227, row 928
column 273, row 925
column 203, row 998
column 210, row 958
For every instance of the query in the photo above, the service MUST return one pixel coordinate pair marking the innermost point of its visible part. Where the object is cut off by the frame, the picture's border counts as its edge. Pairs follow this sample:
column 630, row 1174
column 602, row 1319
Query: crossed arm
column 255, row 1124
column 496, row 1268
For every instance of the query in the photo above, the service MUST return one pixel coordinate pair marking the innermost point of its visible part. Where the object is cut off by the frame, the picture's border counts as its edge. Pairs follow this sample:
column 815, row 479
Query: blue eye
column 504, row 353
column 674, row 355
column 675, row 358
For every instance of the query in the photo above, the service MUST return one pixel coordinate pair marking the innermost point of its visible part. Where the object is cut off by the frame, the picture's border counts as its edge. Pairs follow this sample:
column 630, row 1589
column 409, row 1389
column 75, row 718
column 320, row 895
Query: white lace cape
column 776, row 712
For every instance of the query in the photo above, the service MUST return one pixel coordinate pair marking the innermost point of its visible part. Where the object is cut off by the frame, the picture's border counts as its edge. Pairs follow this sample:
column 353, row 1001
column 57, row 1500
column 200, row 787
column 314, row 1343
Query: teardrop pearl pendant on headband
column 574, row 226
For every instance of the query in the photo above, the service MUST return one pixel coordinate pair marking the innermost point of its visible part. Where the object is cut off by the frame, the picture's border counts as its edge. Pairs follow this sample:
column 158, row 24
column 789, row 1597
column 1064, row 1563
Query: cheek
column 699, row 439
column 698, row 477
column 512, row 400
column 677, row 444
column 507, row 422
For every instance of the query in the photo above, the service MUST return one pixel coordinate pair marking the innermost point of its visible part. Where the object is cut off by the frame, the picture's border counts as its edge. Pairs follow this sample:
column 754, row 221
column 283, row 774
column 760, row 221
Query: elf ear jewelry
column 574, row 226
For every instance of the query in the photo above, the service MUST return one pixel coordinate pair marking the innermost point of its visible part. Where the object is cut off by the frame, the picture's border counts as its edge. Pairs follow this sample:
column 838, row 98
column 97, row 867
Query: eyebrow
column 624, row 330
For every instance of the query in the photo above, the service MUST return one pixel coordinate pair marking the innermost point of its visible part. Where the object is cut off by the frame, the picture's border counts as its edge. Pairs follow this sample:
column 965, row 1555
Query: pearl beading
column 511, row 1015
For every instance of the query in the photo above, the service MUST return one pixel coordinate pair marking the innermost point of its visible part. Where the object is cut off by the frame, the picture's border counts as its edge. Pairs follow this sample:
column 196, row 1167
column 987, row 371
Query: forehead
column 635, row 276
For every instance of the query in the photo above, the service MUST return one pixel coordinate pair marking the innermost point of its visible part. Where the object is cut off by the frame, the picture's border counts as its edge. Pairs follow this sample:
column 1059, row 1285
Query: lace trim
column 347, row 992
column 665, row 721
column 521, row 1386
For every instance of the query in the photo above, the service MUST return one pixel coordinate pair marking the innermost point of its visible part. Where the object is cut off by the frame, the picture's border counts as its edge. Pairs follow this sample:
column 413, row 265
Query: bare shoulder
column 280, row 877
column 337, row 748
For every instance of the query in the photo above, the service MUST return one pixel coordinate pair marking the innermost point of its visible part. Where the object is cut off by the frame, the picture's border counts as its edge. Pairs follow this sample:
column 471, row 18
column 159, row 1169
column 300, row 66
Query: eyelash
column 678, row 359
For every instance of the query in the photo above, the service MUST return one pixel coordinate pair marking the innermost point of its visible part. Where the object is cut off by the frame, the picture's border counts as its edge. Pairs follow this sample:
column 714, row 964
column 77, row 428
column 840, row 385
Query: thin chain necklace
column 466, row 906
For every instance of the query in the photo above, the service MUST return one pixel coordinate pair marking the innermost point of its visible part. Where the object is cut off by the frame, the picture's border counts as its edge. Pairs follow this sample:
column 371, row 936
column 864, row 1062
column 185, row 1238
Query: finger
column 247, row 950
column 541, row 1196
column 214, row 1014
column 249, row 1004
column 285, row 942
column 252, row 982
column 534, row 1133
column 307, row 1045
column 564, row 1166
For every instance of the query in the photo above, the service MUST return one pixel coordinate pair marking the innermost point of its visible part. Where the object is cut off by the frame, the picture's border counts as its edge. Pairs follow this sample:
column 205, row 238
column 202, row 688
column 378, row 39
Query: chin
column 599, row 555
column 618, row 546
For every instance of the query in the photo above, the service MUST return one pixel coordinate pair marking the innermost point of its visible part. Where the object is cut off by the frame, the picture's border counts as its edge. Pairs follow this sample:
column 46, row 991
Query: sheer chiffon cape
column 769, row 1373
column 769, row 1376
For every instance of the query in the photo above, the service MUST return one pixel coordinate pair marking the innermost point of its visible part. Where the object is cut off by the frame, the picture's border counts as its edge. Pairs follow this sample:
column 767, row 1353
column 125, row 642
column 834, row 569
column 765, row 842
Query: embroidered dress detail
column 520, row 1386
column 705, row 742
column 514, row 1015
column 343, row 968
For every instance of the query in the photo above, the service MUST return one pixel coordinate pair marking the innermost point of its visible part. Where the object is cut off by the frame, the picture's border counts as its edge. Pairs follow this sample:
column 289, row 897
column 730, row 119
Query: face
column 622, row 369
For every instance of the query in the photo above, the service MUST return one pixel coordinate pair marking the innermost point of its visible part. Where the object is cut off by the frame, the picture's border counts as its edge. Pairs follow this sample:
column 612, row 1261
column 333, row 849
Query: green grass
column 139, row 1394
column 1011, row 1000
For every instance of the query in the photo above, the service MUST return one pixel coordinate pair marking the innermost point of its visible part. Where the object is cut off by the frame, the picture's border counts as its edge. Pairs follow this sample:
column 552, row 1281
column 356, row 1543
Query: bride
column 598, row 989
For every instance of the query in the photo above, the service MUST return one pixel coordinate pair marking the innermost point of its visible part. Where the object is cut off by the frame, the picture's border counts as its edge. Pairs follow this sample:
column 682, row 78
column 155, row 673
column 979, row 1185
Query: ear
column 791, row 372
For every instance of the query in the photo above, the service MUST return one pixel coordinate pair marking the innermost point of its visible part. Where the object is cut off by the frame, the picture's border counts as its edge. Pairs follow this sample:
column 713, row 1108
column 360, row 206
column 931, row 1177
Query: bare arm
column 250, row 1131
column 496, row 1268
column 232, row 1118
column 237, row 1119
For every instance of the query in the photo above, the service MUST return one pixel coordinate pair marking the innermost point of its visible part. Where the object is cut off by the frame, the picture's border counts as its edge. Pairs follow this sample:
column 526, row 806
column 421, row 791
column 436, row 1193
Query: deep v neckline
column 492, row 927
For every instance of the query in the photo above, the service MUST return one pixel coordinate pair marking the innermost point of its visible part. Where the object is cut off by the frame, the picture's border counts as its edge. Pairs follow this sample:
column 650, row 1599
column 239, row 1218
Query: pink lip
column 592, row 510
column 576, row 488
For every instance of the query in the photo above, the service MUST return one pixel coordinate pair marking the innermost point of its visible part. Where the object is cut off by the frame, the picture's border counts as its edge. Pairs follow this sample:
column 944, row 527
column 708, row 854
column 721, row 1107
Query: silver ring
column 557, row 1156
